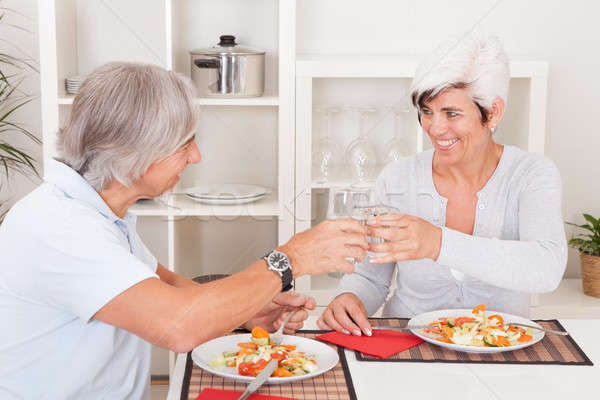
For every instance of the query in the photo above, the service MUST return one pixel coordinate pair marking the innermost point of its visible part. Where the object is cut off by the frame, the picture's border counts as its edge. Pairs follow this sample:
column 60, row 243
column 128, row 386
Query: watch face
column 278, row 261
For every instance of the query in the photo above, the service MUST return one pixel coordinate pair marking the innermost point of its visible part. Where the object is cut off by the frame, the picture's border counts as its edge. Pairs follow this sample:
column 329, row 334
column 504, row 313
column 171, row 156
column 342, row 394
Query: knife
column 260, row 379
column 402, row 328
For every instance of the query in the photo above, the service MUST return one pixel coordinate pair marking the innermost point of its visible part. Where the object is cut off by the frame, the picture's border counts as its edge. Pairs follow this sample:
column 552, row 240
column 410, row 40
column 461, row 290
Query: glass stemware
column 326, row 153
column 397, row 148
column 360, row 153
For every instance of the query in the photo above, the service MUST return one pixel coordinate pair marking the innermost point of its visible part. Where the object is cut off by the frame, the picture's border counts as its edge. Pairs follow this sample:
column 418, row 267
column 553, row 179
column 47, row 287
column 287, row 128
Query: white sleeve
column 83, row 271
column 533, row 264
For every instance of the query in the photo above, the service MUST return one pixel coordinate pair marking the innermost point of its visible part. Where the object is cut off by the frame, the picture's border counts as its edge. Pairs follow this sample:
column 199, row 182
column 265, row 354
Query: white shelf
column 343, row 180
column 268, row 100
column 181, row 205
column 390, row 66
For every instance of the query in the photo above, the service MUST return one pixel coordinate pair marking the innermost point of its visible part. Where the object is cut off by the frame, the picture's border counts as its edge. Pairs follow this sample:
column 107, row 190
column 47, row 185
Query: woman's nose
column 438, row 126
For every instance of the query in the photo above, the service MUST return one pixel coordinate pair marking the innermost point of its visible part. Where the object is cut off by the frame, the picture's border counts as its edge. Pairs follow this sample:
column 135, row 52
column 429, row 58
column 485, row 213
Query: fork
column 277, row 337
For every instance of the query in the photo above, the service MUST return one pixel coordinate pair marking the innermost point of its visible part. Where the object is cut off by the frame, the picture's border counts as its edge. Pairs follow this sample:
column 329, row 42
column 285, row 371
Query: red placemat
column 335, row 384
column 551, row 350
column 216, row 394
column 381, row 344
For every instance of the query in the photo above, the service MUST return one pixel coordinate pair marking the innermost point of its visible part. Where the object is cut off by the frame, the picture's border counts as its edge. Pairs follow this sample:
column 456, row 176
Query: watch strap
column 287, row 279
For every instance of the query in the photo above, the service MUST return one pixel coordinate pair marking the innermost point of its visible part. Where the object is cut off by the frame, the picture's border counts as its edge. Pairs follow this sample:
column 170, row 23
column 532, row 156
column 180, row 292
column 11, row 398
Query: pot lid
column 227, row 46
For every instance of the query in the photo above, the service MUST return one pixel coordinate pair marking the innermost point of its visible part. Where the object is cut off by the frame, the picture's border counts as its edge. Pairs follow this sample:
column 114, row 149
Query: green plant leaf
column 590, row 219
column 586, row 226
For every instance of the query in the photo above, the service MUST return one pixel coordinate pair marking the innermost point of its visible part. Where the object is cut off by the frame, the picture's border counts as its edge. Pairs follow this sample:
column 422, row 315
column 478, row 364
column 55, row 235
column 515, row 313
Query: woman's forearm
column 534, row 266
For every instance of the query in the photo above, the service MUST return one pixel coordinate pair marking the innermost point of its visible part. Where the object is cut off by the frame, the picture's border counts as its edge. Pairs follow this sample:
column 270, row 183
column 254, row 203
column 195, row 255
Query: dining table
column 433, row 380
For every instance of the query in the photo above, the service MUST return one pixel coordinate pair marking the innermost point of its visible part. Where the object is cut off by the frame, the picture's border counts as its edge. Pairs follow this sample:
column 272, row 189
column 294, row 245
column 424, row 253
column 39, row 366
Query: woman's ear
column 495, row 113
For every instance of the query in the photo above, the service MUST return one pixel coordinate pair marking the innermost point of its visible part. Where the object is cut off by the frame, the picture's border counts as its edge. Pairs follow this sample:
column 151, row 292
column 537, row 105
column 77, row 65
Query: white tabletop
column 388, row 380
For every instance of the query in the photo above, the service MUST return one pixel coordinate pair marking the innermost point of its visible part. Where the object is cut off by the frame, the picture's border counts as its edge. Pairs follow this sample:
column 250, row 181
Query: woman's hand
column 272, row 315
column 326, row 247
column 406, row 238
column 346, row 314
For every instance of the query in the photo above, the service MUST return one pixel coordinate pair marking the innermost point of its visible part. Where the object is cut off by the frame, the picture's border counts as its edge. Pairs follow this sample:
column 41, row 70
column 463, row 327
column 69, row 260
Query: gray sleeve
column 533, row 264
column 370, row 283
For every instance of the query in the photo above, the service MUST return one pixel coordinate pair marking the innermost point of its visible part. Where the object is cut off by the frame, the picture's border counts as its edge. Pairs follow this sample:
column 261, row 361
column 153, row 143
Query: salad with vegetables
column 479, row 329
column 253, row 356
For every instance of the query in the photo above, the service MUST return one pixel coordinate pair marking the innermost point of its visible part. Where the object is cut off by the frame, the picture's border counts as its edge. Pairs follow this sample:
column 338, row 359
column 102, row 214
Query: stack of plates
column 73, row 83
column 227, row 193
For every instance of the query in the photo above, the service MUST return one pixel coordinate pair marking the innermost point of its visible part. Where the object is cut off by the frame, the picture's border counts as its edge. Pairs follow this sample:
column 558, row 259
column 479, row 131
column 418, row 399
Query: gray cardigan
column 518, row 246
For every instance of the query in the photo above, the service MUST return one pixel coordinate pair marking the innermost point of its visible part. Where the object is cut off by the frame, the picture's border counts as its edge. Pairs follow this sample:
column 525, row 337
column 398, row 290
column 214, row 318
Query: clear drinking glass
column 397, row 148
column 327, row 155
column 343, row 203
column 360, row 153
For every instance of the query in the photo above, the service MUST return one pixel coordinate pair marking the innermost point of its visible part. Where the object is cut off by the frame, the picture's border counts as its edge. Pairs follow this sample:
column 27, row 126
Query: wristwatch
column 280, row 263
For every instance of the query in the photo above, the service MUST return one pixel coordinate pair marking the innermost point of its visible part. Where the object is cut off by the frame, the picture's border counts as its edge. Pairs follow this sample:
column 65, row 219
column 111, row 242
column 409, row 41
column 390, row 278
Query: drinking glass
column 397, row 148
column 343, row 202
column 360, row 153
column 326, row 153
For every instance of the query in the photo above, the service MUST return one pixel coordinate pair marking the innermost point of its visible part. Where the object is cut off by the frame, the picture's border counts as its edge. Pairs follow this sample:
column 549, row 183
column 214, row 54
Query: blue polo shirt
column 64, row 255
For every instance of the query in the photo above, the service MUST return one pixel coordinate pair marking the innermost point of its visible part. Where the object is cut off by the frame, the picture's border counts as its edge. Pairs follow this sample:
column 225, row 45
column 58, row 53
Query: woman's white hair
column 125, row 117
column 474, row 63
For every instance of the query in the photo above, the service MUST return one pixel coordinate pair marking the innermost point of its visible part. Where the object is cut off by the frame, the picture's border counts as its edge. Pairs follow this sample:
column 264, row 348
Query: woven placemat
column 335, row 384
column 551, row 350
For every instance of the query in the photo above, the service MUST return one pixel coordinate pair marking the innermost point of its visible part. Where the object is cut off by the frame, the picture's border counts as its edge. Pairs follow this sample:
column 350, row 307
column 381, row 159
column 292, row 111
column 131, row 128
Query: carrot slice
column 444, row 339
column 248, row 345
column 259, row 333
column 282, row 372
column 525, row 338
column 447, row 331
column 501, row 341
column 479, row 308
column 499, row 318
column 288, row 347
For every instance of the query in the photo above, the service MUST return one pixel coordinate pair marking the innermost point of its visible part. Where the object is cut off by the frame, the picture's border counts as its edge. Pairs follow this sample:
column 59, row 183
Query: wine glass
column 326, row 153
column 360, row 153
column 397, row 148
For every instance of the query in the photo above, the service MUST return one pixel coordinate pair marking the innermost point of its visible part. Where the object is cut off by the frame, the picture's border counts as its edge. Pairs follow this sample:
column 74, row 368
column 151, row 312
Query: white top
column 518, row 244
column 65, row 254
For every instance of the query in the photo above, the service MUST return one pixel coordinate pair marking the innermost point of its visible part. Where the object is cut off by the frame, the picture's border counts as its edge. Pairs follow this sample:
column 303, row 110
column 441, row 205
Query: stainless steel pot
column 228, row 70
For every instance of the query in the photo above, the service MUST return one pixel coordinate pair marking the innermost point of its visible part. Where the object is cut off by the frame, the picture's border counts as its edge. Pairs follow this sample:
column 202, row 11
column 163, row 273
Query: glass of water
column 366, row 214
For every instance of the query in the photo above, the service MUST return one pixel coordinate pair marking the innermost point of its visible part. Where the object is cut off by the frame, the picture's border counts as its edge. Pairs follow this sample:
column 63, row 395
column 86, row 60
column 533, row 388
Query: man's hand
column 272, row 315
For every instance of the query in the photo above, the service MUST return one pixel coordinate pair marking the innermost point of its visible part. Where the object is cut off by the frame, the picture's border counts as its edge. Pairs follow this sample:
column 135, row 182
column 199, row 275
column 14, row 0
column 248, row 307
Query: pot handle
column 207, row 63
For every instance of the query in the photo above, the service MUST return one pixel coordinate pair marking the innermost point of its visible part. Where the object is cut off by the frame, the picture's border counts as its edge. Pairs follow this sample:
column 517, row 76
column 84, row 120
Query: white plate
column 225, row 202
column 227, row 191
column 428, row 317
column 325, row 357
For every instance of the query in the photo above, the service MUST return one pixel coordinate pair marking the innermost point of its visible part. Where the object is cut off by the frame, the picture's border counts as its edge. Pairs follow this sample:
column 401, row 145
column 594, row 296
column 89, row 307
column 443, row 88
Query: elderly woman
column 481, row 222
column 81, row 297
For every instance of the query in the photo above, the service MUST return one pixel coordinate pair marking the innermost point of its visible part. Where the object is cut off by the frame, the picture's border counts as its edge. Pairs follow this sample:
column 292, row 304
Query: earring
column 492, row 129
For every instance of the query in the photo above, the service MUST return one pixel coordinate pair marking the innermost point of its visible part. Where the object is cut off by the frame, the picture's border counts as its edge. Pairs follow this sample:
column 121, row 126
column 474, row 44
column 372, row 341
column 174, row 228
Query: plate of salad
column 476, row 331
column 242, row 357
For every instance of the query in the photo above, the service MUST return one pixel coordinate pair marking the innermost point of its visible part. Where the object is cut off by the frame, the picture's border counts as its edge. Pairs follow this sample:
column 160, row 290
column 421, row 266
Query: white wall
column 22, row 43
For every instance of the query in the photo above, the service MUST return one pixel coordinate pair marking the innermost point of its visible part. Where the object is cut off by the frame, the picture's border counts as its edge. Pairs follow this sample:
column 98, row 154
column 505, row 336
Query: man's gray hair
column 125, row 117
column 475, row 63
